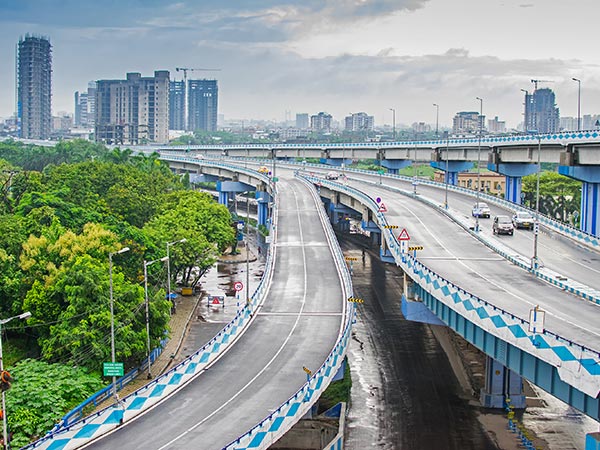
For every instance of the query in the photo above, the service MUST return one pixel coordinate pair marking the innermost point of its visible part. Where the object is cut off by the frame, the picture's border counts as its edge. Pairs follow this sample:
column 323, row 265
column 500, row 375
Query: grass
column 338, row 391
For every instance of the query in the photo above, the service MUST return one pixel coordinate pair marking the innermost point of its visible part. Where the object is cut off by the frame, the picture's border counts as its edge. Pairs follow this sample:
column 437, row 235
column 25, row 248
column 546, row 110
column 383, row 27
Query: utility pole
column 185, row 90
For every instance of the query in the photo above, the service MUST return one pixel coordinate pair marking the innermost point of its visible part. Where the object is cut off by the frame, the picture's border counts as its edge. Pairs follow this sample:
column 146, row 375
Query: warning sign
column 403, row 236
column 382, row 208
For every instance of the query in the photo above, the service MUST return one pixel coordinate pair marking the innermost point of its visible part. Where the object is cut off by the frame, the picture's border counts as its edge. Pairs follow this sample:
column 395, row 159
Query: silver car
column 503, row 225
column 481, row 210
column 523, row 220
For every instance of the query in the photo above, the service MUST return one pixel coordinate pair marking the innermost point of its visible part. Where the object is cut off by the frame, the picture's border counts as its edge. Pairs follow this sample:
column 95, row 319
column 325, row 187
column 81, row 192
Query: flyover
column 251, row 393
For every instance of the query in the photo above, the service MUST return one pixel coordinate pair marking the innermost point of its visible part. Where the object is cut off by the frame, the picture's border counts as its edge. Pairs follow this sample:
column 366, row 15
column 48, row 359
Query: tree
column 205, row 224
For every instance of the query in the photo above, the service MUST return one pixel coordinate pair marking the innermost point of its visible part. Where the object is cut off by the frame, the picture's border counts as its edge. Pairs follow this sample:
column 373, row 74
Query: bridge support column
column 592, row 441
column 451, row 169
column 501, row 383
column 338, row 162
column 590, row 195
column 513, row 172
column 223, row 198
column 394, row 165
column 263, row 199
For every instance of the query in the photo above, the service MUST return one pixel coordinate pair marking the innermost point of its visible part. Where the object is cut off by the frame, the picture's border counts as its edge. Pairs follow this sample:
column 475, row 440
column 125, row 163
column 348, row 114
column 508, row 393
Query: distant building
column 176, row 105
column 359, row 122
column 34, row 87
column 421, row 127
column 293, row 134
column 85, row 107
column 467, row 122
column 491, row 182
column 321, row 122
column 62, row 122
column 541, row 113
column 568, row 123
column 591, row 122
column 203, row 103
column 134, row 110
column 302, row 121
column 496, row 126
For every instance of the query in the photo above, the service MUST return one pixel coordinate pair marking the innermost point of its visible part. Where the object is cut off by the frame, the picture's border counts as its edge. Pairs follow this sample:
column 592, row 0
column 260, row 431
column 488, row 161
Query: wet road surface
column 404, row 394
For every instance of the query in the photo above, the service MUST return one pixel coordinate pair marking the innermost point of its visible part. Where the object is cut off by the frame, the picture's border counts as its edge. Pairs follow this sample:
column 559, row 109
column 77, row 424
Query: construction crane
column 185, row 70
column 535, row 83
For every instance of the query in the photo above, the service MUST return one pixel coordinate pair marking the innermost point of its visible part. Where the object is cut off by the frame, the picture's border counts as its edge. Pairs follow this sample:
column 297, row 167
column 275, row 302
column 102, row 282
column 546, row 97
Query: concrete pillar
column 394, row 165
column 513, row 172
column 263, row 199
column 590, row 219
column 501, row 383
column 452, row 169
column 590, row 194
column 592, row 441
column 223, row 198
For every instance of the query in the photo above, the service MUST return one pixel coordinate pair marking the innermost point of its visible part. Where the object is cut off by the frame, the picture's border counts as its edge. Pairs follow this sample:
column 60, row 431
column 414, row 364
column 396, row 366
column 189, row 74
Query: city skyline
column 341, row 57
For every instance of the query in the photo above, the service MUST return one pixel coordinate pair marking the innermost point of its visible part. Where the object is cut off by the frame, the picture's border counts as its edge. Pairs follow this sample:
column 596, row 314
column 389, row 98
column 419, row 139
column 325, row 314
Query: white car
column 481, row 210
column 332, row 175
column 523, row 220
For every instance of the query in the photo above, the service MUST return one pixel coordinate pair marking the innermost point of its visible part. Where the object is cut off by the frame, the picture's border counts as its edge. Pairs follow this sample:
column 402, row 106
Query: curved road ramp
column 249, row 394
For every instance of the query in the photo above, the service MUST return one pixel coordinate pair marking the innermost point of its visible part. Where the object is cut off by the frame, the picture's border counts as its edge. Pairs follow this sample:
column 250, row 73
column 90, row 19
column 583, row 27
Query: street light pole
column 23, row 316
column 578, row 103
column 247, row 249
column 479, row 162
column 169, row 267
column 536, row 226
column 112, row 315
column 437, row 119
column 393, row 110
column 447, row 172
column 146, row 264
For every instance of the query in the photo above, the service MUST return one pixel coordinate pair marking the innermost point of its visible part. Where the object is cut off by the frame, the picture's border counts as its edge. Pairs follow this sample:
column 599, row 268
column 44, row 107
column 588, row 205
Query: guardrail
column 272, row 427
column 572, row 360
column 101, row 422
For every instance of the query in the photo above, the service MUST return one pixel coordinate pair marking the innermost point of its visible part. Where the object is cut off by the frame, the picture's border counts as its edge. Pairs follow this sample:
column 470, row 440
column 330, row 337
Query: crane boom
column 535, row 83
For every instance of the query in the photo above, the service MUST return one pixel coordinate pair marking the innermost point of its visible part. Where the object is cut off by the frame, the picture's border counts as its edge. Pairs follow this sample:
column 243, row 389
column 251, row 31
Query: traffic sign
column 403, row 236
column 307, row 370
column 238, row 286
column 391, row 227
column 382, row 208
column 355, row 300
column 416, row 247
column 536, row 228
column 112, row 369
column 351, row 258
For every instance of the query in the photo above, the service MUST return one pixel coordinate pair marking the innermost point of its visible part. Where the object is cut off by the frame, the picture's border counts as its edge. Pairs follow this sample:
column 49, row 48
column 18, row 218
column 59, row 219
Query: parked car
column 503, row 225
column 523, row 220
column 263, row 169
column 481, row 210
column 332, row 175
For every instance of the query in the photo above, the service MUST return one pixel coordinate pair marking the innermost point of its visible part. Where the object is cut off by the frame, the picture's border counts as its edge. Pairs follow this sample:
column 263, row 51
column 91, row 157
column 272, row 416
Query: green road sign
column 275, row 179
column 381, row 172
column 113, row 369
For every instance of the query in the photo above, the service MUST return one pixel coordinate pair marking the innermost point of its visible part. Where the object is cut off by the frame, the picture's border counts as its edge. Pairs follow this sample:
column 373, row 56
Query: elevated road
column 297, row 326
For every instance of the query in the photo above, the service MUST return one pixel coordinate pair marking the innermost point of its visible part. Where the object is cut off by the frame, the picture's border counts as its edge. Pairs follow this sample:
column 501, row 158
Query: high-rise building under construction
column 34, row 87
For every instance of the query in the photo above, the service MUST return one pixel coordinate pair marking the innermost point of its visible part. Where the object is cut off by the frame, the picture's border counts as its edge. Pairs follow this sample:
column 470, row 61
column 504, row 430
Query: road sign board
column 355, row 300
column 416, row 247
column 403, row 236
column 536, row 228
column 382, row 208
column 238, row 286
column 351, row 258
column 536, row 320
column 307, row 370
column 391, row 227
column 275, row 179
column 113, row 369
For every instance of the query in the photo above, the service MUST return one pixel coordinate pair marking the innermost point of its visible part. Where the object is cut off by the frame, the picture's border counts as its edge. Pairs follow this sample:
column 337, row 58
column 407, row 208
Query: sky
column 336, row 56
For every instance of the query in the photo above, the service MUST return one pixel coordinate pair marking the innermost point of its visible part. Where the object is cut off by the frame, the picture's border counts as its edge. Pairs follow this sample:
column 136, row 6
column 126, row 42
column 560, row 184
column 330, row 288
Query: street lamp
column 536, row 226
column 247, row 247
column 446, row 135
column 23, row 316
column 393, row 110
column 578, row 103
column 437, row 119
column 479, row 162
column 112, row 315
column 169, row 268
column 146, row 264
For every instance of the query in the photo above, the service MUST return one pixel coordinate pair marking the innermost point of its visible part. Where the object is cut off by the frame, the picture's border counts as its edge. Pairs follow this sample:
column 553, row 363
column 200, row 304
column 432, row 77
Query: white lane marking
column 302, row 314
column 551, row 311
column 283, row 345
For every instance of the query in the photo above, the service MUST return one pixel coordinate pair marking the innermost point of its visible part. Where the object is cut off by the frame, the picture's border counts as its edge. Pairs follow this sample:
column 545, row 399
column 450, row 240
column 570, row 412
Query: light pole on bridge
column 146, row 264
column 393, row 110
column 478, row 209
column 437, row 119
column 578, row 103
